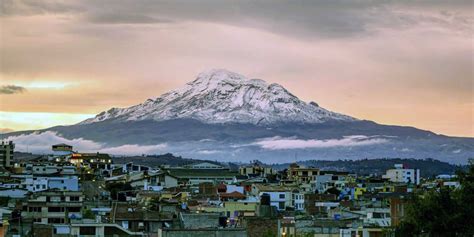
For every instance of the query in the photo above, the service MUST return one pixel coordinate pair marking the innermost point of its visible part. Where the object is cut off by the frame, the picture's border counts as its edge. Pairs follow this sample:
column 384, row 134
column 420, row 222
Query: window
column 55, row 209
column 34, row 209
column 74, row 209
column 281, row 205
column 55, row 220
column 74, row 199
column 282, row 196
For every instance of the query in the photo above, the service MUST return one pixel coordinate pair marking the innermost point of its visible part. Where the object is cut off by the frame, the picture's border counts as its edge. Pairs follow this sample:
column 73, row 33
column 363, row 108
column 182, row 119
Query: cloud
column 208, row 152
column 11, row 89
column 300, row 18
column 279, row 143
column 6, row 130
column 32, row 7
column 392, row 57
column 126, row 19
column 40, row 143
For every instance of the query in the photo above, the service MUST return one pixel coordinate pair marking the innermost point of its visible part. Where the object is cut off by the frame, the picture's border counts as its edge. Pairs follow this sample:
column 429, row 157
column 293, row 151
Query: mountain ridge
column 222, row 96
column 225, row 116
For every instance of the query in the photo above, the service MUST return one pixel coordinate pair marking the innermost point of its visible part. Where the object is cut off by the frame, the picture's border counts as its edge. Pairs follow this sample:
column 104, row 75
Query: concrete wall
column 204, row 233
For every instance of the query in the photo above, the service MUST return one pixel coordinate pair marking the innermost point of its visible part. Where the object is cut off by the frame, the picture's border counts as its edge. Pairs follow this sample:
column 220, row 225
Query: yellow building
column 358, row 191
column 302, row 174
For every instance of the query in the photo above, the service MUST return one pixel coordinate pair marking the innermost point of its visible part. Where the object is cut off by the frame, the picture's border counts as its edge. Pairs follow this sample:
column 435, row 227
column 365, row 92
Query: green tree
column 442, row 212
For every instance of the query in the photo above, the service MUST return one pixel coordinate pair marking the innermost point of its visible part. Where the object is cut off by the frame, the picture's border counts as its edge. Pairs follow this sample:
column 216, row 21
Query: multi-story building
column 53, row 207
column 50, row 169
column 298, row 200
column 37, row 184
column 402, row 174
column 280, row 196
column 6, row 154
column 256, row 170
column 301, row 174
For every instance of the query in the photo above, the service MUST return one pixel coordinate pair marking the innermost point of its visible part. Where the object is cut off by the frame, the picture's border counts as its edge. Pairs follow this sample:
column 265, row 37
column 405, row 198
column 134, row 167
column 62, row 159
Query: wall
column 204, row 233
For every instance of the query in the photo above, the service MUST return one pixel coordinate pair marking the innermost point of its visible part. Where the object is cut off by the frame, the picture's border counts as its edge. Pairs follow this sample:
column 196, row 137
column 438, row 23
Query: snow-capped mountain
column 221, row 114
column 221, row 96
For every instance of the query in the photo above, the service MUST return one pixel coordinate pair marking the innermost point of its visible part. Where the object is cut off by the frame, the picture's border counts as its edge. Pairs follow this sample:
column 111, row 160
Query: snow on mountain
column 221, row 96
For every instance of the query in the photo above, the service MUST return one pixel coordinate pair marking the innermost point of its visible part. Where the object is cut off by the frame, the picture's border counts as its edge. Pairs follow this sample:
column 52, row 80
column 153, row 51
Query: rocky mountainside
column 221, row 96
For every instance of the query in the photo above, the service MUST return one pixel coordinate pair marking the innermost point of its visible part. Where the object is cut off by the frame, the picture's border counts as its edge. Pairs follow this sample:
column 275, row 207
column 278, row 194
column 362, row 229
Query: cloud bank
column 11, row 89
column 40, row 143
column 279, row 143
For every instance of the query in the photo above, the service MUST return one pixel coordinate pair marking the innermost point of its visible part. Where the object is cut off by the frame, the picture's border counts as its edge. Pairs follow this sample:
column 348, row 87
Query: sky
column 394, row 62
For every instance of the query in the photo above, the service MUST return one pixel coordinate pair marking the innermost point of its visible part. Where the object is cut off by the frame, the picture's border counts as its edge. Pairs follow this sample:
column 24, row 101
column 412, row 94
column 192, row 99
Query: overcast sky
column 394, row 62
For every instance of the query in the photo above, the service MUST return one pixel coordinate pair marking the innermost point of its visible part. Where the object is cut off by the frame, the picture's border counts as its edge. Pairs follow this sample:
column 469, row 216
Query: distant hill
column 159, row 160
column 428, row 167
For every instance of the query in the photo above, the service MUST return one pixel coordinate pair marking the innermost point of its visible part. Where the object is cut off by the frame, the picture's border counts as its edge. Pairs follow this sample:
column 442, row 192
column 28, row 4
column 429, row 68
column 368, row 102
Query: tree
column 442, row 212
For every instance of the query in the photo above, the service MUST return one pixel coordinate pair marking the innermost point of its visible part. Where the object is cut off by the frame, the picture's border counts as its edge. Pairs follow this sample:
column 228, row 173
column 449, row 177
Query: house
column 94, row 161
column 256, row 170
column 36, row 184
column 153, row 181
column 140, row 219
column 402, row 174
column 50, row 169
column 311, row 200
column 298, row 200
column 280, row 196
column 300, row 174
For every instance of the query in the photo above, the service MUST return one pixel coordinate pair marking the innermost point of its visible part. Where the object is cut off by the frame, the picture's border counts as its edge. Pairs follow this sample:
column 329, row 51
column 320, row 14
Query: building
column 37, row 184
column 256, row 170
column 197, row 176
column 402, row 174
column 97, row 163
column 53, row 207
column 152, row 181
column 301, row 174
column 6, row 154
column 62, row 149
column 50, row 169
column 280, row 196
column 313, row 203
column 204, row 165
column 298, row 200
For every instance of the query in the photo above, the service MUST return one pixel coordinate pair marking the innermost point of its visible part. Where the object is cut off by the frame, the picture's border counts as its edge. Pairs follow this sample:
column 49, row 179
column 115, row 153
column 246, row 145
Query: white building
column 401, row 174
column 37, row 184
column 298, row 201
column 280, row 197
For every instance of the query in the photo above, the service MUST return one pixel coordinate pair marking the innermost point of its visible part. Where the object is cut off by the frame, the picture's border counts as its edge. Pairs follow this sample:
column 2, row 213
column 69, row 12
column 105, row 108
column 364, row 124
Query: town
column 70, row 193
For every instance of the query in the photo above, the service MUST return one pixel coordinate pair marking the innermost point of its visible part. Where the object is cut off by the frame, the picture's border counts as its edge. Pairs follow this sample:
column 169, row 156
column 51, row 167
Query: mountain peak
column 222, row 96
column 219, row 74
